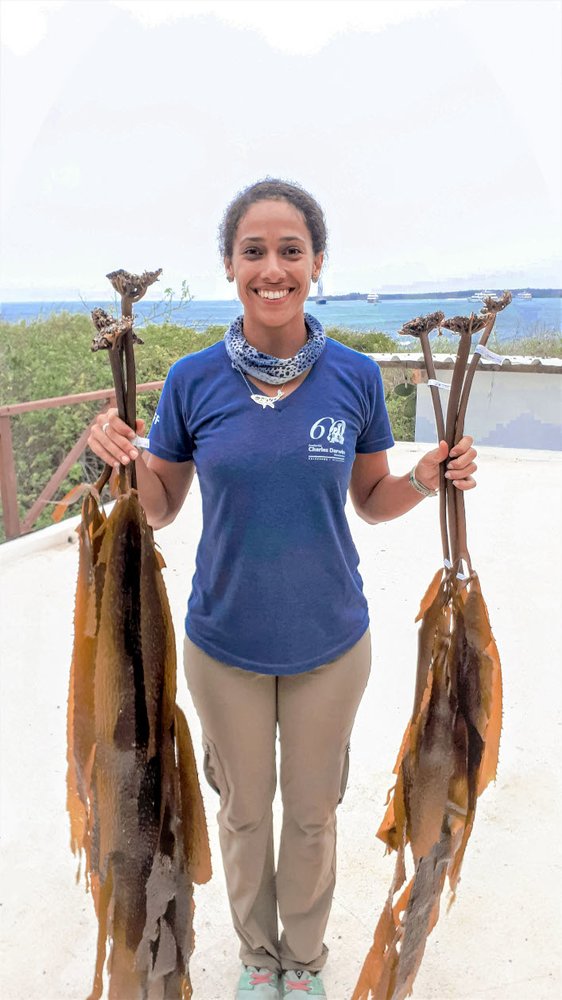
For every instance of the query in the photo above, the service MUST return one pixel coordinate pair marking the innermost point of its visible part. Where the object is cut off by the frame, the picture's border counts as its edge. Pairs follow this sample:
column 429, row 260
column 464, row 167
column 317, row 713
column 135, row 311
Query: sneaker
column 258, row 984
column 299, row 982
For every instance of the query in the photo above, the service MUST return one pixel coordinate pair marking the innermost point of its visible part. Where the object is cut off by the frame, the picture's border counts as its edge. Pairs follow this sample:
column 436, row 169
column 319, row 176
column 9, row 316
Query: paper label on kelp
column 140, row 442
column 486, row 353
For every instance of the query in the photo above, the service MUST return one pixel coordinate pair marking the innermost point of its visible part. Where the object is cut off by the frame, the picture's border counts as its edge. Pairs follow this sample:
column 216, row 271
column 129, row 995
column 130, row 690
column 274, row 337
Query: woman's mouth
column 272, row 295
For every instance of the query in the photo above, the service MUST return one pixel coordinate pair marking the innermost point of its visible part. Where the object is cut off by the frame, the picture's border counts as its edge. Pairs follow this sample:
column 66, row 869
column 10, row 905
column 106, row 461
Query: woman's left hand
column 460, row 465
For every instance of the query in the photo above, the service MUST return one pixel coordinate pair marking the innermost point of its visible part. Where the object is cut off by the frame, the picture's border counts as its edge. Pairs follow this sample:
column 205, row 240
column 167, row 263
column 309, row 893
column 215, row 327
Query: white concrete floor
column 502, row 937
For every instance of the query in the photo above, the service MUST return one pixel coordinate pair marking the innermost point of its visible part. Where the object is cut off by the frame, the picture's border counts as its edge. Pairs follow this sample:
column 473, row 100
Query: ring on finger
column 105, row 426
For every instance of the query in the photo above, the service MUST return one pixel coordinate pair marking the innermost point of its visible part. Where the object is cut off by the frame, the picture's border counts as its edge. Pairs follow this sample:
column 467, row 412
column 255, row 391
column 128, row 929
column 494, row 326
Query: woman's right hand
column 111, row 438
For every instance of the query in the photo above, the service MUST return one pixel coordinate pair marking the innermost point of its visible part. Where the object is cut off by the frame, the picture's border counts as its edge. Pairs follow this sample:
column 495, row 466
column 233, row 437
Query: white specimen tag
column 438, row 384
column 140, row 442
column 485, row 353
column 461, row 575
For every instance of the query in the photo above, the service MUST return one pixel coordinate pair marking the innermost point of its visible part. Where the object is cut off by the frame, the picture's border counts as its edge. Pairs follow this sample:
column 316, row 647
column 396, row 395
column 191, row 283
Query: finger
column 463, row 460
column 461, row 446
column 435, row 456
column 102, row 448
column 464, row 484
column 456, row 474
column 107, row 414
column 117, row 430
column 110, row 445
column 111, row 419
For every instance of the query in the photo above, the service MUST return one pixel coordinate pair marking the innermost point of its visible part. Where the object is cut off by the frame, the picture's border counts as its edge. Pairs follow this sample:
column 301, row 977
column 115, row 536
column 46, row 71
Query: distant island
column 537, row 293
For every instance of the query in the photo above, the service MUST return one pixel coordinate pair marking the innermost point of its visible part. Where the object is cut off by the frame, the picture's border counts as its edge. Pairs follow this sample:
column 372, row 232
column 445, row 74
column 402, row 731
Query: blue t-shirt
column 276, row 587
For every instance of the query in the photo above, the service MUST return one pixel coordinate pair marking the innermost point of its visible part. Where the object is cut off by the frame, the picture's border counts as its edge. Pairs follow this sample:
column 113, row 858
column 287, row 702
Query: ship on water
column 373, row 297
column 481, row 296
column 320, row 300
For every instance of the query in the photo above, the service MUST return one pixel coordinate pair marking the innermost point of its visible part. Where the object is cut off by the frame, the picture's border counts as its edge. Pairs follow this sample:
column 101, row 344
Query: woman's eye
column 256, row 252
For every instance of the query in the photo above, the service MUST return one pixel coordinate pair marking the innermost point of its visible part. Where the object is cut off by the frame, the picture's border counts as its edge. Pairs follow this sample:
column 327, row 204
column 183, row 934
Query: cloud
column 291, row 26
column 24, row 25
column 433, row 144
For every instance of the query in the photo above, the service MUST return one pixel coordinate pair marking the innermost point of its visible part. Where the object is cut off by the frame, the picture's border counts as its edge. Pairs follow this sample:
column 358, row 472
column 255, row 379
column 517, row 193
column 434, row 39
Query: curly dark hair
column 273, row 189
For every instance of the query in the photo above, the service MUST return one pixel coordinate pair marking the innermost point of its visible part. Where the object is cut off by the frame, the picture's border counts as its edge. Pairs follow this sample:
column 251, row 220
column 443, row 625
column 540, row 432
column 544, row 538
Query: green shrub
column 371, row 342
column 51, row 357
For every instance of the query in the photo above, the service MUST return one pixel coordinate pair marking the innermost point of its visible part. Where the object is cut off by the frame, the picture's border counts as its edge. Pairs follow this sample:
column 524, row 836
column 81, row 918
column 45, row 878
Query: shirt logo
column 331, row 432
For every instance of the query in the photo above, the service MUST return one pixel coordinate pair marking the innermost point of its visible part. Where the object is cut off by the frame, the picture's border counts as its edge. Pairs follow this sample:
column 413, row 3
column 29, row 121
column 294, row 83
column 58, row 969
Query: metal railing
column 13, row 527
column 8, row 479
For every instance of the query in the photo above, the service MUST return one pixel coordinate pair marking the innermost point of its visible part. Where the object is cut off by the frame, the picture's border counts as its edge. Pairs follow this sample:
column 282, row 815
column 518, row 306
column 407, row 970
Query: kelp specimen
column 449, row 752
column 134, row 800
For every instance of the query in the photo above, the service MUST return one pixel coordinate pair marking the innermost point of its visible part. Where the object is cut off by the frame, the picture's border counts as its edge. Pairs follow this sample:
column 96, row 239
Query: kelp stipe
column 135, row 805
column 449, row 752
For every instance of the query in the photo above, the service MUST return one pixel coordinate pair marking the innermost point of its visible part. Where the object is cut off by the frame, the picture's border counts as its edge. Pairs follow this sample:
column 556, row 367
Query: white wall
column 511, row 409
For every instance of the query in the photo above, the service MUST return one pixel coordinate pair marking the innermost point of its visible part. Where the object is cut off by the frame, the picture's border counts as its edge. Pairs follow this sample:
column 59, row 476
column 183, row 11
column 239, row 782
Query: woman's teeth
column 265, row 294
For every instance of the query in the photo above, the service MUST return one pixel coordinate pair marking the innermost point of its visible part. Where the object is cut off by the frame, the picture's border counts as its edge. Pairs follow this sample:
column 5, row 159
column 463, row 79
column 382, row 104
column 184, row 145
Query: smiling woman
column 277, row 625
column 273, row 264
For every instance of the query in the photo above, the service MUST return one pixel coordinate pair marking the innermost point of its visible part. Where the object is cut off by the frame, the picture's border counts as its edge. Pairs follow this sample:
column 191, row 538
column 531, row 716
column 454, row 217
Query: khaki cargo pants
column 241, row 713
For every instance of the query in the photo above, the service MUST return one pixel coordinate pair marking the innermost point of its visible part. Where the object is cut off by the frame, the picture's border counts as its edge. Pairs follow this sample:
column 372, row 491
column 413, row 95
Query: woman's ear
column 229, row 270
column 317, row 265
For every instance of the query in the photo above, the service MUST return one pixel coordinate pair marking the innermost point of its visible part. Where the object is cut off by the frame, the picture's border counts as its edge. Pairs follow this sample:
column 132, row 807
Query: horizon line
column 311, row 298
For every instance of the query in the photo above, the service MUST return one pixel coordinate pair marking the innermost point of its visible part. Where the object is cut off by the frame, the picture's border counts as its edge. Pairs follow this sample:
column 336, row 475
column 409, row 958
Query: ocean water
column 523, row 318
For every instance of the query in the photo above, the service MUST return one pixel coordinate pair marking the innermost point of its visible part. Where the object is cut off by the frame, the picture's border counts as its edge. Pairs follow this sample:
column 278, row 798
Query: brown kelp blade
column 448, row 755
column 449, row 751
column 196, row 842
column 134, row 797
column 80, row 716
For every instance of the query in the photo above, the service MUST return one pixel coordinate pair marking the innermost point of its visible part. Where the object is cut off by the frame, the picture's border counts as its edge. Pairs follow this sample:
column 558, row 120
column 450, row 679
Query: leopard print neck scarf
column 265, row 367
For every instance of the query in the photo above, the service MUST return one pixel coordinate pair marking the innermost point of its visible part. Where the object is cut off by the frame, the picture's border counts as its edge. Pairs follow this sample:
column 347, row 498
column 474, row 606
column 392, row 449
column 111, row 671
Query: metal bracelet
column 424, row 490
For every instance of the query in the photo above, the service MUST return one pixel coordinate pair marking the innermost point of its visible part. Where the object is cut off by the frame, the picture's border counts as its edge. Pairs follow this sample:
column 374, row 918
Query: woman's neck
column 280, row 342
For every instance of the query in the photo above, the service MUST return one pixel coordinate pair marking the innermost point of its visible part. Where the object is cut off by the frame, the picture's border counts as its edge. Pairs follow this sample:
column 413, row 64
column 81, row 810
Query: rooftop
column 501, row 937
column 505, row 363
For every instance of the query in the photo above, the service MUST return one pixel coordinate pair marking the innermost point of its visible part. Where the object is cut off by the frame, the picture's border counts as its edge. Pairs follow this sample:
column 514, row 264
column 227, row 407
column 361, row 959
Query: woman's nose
column 272, row 268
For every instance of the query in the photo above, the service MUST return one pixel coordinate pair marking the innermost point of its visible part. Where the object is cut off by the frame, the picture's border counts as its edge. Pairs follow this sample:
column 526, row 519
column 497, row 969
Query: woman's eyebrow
column 282, row 239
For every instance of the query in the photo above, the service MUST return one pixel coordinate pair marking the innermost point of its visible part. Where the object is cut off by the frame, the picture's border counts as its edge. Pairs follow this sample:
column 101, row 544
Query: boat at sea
column 524, row 295
column 481, row 296
column 373, row 297
column 320, row 300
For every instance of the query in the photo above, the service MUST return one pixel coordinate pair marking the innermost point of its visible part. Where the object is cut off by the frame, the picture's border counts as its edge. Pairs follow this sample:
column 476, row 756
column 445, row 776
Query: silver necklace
column 263, row 401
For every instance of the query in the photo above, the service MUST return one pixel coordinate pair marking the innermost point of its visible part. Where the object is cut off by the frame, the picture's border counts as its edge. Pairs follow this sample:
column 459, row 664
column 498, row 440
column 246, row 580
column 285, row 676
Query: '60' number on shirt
column 335, row 428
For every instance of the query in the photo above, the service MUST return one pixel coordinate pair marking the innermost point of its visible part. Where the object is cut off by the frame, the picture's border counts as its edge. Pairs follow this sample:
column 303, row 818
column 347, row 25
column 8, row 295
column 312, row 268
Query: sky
column 430, row 132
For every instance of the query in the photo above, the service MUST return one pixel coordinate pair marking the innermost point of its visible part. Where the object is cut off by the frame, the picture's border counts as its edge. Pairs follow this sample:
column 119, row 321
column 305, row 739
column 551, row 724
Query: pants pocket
column 344, row 773
column 212, row 768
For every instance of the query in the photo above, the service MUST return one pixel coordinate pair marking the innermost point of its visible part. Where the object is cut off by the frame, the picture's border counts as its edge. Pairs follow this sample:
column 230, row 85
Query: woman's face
column 272, row 263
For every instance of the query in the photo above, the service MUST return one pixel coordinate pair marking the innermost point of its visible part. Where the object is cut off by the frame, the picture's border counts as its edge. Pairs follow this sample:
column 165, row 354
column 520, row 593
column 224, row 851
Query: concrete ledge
column 36, row 541
column 515, row 544
column 52, row 537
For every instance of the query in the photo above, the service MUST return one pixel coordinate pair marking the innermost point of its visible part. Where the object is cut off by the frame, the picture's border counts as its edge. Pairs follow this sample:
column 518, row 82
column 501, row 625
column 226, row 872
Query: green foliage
column 52, row 357
column 170, row 303
column 402, row 413
column 400, row 398
column 547, row 344
column 371, row 342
